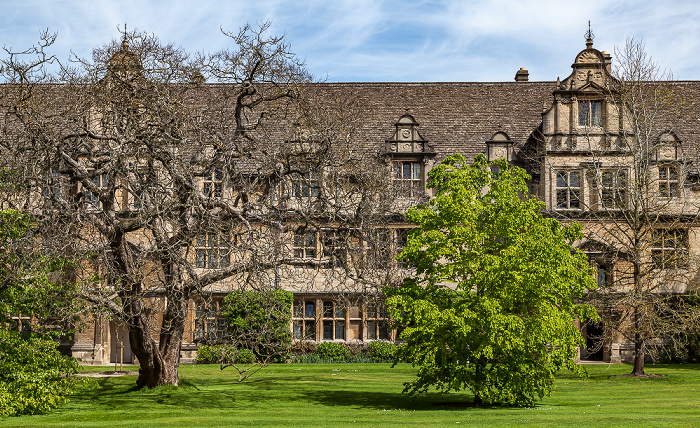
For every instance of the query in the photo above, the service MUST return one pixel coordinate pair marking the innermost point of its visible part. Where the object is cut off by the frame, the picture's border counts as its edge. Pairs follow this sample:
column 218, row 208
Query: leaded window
column 333, row 320
column 305, row 183
column 568, row 190
column 668, row 181
column 408, row 178
column 101, row 181
column 305, row 245
column 304, row 319
column 212, row 251
column 613, row 189
column 213, row 183
column 590, row 113
column 669, row 248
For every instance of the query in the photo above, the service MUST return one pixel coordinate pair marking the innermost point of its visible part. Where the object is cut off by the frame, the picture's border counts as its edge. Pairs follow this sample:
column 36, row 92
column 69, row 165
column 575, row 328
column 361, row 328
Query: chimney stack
column 521, row 75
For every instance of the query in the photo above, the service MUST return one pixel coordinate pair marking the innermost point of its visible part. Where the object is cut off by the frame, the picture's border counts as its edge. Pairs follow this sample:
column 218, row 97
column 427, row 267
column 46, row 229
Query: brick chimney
column 521, row 75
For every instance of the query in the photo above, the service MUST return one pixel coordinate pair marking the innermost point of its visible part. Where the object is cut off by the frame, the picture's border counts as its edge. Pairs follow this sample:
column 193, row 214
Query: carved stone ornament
column 588, row 57
column 406, row 134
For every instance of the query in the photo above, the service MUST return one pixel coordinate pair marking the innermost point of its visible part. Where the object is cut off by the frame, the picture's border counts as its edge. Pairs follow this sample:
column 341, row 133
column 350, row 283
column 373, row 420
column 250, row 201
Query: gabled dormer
column 583, row 116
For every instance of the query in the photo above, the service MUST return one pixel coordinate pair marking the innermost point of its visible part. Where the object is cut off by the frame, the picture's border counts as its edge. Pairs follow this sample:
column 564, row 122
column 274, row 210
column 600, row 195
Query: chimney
column 521, row 75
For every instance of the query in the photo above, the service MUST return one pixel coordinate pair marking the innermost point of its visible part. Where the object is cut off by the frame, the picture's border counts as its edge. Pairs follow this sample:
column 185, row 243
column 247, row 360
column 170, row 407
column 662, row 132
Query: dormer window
column 408, row 178
column 590, row 113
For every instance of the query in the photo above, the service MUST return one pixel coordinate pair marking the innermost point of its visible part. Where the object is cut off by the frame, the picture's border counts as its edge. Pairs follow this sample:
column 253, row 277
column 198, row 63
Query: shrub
column 212, row 354
column 34, row 376
column 259, row 321
column 332, row 351
column 245, row 356
column 382, row 352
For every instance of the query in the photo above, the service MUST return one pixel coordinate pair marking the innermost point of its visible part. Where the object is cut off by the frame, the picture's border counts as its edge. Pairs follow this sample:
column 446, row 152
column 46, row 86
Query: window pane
column 407, row 170
column 310, row 310
column 561, row 180
column 340, row 330
column 298, row 308
column 371, row 330
column 662, row 173
column 310, row 330
column 201, row 259
column 562, row 199
column 339, row 311
column 573, row 179
column 596, row 113
column 574, row 202
column 328, row 330
column 416, row 171
column 327, row 309
column 298, row 329
column 583, row 113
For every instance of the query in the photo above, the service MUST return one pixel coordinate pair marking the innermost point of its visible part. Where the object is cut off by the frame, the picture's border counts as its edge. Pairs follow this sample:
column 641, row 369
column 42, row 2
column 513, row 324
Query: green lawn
column 370, row 395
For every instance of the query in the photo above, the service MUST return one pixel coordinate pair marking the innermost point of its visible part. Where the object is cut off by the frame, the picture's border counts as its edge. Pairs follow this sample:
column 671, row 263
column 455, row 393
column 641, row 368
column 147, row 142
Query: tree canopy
column 493, row 305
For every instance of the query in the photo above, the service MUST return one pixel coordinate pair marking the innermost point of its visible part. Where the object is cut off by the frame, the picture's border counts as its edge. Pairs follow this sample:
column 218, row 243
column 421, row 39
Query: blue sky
column 375, row 40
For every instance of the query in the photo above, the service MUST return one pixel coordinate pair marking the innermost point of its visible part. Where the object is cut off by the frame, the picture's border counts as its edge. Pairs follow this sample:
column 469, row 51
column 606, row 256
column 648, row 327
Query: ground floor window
column 304, row 319
column 209, row 324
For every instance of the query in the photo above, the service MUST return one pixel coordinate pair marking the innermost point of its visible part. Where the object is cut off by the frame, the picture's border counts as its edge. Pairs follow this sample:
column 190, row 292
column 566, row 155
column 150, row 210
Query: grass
column 370, row 395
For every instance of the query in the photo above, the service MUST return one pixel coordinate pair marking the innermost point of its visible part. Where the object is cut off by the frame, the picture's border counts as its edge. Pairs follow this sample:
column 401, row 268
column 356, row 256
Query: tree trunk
column 638, row 369
column 159, row 364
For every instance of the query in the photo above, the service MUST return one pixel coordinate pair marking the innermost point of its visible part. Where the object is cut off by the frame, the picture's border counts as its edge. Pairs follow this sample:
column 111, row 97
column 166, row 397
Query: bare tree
column 641, row 212
column 162, row 184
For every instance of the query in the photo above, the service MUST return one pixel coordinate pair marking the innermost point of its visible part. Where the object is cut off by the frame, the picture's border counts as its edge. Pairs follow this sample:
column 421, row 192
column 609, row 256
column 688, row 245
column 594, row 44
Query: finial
column 589, row 36
column 125, row 42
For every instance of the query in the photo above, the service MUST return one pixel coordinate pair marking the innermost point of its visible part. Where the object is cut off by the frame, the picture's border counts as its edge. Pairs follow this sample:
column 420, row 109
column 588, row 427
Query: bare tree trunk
column 639, row 354
column 159, row 363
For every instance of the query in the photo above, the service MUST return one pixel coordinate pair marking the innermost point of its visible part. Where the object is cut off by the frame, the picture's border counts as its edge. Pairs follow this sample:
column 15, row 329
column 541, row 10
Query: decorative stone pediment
column 669, row 148
column 406, row 138
column 499, row 146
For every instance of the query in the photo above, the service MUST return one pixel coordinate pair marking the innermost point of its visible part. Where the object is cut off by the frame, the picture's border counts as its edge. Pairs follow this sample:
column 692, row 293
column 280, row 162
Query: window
column 305, row 245
column 379, row 248
column 668, row 181
column 401, row 241
column 334, row 247
column 101, row 181
column 144, row 192
column 604, row 275
column 669, row 248
column 213, row 183
column 568, row 190
column 333, row 320
column 613, row 189
column 209, row 325
column 408, row 178
column 212, row 251
column 377, row 323
column 590, row 113
column 51, row 189
column 304, row 319
column 305, row 183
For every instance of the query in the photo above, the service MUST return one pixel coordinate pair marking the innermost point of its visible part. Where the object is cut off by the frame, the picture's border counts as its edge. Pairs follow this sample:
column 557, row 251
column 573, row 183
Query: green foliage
column 218, row 354
column 383, row 352
column 32, row 371
column 34, row 376
column 259, row 321
column 492, row 307
column 332, row 351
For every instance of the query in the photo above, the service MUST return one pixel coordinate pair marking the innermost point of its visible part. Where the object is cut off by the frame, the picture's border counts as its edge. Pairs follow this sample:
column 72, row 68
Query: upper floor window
column 669, row 249
column 613, row 189
column 590, row 113
column 568, row 190
column 305, row 245
column 408, row 178
column 213, row 183
column 334, row 247
column 212, row 251
column 52, row 185
column 668, row 181
column 305, row 183
column 101, row 181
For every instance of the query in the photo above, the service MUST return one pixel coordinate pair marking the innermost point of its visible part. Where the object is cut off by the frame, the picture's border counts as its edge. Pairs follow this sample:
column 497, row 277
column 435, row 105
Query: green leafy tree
column 258, row 322
column 493, row 304
column 34, row 376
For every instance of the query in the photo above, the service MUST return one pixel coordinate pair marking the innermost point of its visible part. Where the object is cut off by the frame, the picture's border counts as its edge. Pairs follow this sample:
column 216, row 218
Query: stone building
column 570, row 134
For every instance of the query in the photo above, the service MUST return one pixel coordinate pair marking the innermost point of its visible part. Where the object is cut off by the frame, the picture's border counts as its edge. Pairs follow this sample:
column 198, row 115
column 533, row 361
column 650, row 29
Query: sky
column 383, row 41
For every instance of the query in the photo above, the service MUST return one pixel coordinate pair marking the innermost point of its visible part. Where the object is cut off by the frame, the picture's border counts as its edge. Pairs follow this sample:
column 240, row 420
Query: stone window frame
column 213, row 183
column 212, row 246
column 304, row 319
column 669, row 248
column 588, row 115
column 614, row 188
column 209, row 324
column 408, row 182
column 568, row 189
column 333, row 324
column 306, row 183
column 669, row 185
